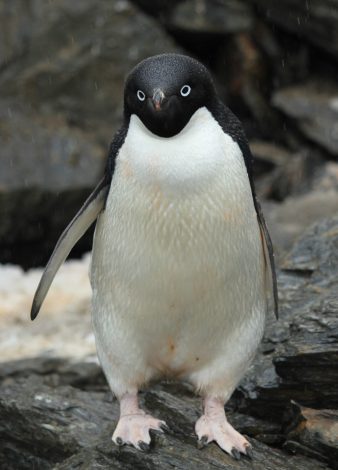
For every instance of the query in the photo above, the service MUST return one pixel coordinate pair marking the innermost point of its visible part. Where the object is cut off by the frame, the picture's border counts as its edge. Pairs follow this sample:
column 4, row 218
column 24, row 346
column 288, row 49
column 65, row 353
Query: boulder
column 315, row 20
column 216, row 17
column 314, row 107
column 313, row 198
column 281, row 173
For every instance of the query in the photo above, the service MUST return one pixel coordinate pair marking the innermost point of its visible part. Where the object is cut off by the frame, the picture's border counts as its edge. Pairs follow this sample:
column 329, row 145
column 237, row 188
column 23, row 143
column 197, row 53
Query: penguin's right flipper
column 74, row 231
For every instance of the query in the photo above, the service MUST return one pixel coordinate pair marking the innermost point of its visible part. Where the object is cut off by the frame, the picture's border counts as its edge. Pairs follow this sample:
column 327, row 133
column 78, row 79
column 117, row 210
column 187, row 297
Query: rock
column 52, row 169
column 61, row 91
column 210, row 17
column 201, row 17
column 241, row 69
column 157, row 8
column 314, row 106
column 47, row 423
column 315, row 20
column 288, row 220
column 314, row 433
column 326, row 178
column 280, row 173
column 298, row 359
column 318, row 198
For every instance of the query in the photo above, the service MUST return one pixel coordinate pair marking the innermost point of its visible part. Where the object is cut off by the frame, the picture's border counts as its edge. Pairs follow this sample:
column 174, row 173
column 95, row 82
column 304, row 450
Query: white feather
column 177, row 268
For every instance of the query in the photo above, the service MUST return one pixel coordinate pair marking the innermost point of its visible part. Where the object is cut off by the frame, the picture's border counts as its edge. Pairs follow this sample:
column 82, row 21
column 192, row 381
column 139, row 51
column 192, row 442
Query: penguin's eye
column 141, row 96
column 185, row 90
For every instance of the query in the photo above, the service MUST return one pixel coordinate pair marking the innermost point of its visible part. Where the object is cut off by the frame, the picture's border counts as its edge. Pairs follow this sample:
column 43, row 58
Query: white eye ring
column 141, row 96
column 185, row 90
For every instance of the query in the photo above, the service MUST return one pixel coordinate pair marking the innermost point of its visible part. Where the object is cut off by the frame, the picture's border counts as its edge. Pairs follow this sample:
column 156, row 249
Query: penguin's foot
column 134, row 425
column 134, row 430
column 213, row 426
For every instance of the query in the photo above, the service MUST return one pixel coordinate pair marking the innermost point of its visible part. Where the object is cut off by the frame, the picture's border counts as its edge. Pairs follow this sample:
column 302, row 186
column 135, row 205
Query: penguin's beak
column 157, row 99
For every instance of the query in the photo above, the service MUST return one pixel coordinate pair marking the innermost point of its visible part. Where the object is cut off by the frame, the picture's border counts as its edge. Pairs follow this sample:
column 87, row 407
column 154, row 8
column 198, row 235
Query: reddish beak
column 158, row 97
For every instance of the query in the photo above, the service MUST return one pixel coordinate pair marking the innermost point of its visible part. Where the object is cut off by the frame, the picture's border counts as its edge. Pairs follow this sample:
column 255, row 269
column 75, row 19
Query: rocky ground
column 62, row 67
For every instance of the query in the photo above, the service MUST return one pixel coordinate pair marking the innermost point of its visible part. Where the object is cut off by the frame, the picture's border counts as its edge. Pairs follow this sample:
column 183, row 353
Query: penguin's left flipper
column 77, row 227
column 271, row 278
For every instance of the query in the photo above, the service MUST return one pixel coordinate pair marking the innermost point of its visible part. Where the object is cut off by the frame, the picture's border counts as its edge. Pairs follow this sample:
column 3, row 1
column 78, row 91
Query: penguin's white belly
column 177, row 266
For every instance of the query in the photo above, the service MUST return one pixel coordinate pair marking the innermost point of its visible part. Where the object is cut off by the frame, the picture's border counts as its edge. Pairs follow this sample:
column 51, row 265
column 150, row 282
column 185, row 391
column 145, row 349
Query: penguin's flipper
column 74, row 231
column 271, row 278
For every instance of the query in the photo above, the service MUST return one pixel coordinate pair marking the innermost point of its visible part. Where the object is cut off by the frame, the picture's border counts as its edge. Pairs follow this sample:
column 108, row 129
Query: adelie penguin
column 182, row 266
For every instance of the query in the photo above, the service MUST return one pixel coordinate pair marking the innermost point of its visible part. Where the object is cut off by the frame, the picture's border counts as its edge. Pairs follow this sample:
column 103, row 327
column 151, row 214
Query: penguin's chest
column 179, row 223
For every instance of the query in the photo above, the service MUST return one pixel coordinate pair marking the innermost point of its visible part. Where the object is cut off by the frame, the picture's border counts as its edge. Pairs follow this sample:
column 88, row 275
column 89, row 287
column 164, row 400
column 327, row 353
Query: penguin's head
column 164, row 91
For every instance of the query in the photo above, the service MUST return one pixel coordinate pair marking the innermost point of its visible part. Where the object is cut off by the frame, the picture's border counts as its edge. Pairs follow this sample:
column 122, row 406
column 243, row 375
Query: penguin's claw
column 249, row 452
column 119, row 441
column 143, row 446
column 236, row 453
column 202, row 442
column 134, row 430
column 218, row 429
column 164, row 427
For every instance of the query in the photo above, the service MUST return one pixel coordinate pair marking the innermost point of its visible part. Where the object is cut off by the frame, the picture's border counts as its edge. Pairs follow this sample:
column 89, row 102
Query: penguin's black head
column 164, row 91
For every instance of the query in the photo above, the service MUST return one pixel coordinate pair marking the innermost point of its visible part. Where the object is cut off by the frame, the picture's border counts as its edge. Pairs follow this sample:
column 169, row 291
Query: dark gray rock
column 210, row 17
column 281, row 173
column 70, row 426
column 314, row 106
column 298, row 359
column 315, row 20
column 63, row 66
column 157, row 8
column 288, row 221
column 47, row 170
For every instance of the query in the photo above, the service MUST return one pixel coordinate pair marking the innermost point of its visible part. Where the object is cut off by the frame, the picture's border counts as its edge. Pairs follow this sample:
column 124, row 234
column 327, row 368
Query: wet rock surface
column 58, row 413
column 314, row 106
column 216, row 17
column 315, row 20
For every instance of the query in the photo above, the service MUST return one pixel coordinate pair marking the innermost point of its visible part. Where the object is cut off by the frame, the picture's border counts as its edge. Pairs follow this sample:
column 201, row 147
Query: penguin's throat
column 187, row 161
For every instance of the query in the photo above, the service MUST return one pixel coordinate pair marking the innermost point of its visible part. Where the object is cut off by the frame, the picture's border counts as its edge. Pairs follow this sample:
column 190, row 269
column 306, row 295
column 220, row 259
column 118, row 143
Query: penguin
column 182, row 269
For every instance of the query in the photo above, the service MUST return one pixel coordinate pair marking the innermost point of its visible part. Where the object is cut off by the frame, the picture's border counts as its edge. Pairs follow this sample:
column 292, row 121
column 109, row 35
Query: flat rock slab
column 314, row 105
column 314, row 20
column 50, row 419
column 212, row 17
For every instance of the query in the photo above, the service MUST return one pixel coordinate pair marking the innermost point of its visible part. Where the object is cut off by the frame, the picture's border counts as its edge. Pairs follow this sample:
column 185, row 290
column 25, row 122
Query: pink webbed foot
column 134, row 425
column 213, row 426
